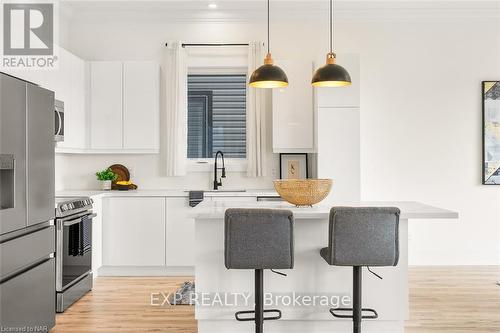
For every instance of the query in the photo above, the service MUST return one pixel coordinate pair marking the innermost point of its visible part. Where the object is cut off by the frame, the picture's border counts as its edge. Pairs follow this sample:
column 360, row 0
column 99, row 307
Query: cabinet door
column 75, row 119
column 339, row 152
column 293, row 109
column 106, row 130
column 61, row 78
column 134, row 231
column 341, row 97
column 141, row 115
column 180, row 233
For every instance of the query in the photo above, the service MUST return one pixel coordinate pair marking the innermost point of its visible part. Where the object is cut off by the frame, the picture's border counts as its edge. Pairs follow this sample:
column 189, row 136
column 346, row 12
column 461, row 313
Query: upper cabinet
column 141, row 117
column 124, row 107
column 341, row 97
column 106, row 105
column 293, row 109
column 70, row 88
column 109, row 106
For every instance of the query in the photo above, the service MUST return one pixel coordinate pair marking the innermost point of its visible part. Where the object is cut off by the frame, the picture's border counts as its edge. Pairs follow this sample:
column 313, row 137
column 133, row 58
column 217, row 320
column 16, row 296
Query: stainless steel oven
column 73, row 250
column 59, row 120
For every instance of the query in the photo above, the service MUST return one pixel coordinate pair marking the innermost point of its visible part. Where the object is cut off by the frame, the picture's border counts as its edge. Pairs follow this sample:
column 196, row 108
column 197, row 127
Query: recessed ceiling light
column 212, row 5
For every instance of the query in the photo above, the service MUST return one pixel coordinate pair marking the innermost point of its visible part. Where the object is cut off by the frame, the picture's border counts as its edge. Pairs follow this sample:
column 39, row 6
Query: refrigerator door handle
column 7, row 181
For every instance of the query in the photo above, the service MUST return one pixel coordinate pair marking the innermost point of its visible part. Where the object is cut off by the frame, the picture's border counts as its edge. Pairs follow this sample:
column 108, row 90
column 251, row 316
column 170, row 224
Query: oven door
column 74, row 249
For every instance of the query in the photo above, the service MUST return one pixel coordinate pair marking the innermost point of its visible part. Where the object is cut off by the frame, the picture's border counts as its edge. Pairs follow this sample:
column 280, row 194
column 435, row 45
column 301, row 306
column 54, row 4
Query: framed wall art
column 293, row 166
column 491, row 132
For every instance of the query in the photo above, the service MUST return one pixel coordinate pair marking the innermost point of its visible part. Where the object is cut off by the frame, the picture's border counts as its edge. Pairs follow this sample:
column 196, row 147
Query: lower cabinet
column 180, row 233
column 134, row 231
column 156, row 235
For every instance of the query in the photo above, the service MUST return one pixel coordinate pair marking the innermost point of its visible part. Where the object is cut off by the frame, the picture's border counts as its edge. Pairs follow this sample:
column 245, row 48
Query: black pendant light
column 268, row 75
column 331, row 74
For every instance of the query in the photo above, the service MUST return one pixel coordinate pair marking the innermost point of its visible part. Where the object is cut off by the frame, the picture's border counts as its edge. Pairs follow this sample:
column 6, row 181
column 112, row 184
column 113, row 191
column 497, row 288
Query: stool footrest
column 238, row 314
column 374, row 314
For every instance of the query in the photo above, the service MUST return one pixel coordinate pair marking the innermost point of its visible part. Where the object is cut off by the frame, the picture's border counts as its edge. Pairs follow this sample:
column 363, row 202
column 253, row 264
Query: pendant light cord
column 331, row 26
column 268, row 46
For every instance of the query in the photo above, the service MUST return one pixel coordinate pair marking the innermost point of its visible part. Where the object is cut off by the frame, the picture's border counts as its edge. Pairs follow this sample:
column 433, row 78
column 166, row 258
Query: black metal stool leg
column 259, row 300
column 356, row 299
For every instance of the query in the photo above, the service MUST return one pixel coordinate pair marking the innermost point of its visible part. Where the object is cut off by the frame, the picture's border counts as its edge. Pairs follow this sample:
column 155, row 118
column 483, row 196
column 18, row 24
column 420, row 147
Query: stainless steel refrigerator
column 27, row 245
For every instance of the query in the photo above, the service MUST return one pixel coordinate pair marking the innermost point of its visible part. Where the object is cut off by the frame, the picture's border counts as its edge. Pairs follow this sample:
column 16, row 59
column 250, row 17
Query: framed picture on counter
column 491, row 132
column 293, row 166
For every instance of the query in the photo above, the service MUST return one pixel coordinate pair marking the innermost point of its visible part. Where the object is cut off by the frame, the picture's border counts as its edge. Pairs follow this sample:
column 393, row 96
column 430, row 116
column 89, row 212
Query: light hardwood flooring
column 442, row 300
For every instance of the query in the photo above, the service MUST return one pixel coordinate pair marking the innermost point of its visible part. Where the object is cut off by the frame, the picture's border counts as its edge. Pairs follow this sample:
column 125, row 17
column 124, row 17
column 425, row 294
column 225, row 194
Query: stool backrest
column 258, row 239
column 364, row 236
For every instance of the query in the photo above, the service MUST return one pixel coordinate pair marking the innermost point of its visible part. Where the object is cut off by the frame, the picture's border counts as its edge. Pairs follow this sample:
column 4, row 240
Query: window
column 216, row 115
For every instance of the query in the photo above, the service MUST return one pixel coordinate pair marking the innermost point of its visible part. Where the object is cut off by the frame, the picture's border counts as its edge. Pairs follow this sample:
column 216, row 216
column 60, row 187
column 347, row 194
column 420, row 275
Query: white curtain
column 175, row 117
column 256, row 117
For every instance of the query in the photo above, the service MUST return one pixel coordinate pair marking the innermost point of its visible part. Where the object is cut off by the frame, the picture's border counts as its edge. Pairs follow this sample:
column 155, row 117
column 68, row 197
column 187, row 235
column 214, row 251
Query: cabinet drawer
column 19, row 252
column 28, row 300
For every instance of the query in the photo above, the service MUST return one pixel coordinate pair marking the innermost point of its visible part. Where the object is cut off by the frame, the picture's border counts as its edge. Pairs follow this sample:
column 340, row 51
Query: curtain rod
column 206, row 44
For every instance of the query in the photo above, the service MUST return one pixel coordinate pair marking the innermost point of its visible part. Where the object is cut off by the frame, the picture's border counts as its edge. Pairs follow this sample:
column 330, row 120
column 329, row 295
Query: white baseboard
column 146, row 271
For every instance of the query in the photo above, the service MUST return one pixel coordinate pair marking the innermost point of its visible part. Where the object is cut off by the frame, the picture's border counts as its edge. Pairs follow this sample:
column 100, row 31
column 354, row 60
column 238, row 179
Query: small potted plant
column 106, row 177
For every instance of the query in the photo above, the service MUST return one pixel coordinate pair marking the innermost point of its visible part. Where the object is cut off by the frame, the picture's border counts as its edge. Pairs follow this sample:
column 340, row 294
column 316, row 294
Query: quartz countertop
column 164, row 193
column 409, row 209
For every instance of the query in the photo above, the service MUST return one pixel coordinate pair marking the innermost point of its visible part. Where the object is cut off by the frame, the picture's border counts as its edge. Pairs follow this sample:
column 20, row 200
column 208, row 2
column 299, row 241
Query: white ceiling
column 228, row 10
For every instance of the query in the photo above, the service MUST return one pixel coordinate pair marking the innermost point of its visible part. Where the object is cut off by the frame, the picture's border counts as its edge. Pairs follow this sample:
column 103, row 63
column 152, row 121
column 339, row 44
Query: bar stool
column 258, row 239
column 361, row 236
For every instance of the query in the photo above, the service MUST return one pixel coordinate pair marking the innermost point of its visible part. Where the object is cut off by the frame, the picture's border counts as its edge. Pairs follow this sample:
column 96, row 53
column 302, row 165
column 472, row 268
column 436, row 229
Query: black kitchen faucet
column 223, row 175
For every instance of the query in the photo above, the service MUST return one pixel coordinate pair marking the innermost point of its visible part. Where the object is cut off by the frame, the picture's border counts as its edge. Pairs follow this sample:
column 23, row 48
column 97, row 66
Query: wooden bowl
column 303, row 192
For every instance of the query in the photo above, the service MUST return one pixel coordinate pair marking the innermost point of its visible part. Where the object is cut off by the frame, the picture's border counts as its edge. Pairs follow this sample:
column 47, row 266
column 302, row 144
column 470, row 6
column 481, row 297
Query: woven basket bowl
column 303, row 192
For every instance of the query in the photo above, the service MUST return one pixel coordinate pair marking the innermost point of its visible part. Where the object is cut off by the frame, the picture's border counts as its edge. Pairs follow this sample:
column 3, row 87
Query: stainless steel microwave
column 59, row 118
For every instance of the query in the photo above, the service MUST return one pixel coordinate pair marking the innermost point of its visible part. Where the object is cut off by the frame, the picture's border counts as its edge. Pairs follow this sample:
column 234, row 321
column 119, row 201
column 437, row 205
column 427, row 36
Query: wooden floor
column 442, row 300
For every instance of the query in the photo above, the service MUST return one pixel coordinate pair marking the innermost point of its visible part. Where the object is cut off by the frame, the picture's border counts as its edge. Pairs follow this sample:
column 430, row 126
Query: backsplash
column 74, row 171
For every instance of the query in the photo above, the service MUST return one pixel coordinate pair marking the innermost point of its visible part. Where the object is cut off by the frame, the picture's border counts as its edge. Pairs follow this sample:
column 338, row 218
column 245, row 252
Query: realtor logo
column 28, row 35
column 28, row 29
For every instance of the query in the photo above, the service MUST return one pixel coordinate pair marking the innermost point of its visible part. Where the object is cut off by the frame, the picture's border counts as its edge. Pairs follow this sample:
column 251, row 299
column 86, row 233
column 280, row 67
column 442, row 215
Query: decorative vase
column 106, row 185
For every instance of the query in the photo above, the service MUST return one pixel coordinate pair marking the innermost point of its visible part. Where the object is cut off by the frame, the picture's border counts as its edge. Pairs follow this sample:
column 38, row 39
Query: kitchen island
column 312, row 287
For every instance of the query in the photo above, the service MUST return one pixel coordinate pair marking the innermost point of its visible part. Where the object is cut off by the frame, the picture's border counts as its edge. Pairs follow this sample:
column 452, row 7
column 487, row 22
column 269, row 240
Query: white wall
column 420, row 110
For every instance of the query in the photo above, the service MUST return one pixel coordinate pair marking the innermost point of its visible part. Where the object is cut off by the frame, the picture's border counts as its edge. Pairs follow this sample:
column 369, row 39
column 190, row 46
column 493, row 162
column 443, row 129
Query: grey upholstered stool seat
column 362, row 236
column 258, row 239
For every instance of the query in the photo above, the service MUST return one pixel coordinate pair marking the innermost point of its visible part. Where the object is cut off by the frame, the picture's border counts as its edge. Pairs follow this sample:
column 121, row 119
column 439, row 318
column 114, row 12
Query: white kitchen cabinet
column 341, row 97
column 124, row 107
column 74, row 78
column 180, row 229
column 106, row 105
column 134, row 231
column 293, row 109
column 180, row 233
column 339, row 152
column 141, row 116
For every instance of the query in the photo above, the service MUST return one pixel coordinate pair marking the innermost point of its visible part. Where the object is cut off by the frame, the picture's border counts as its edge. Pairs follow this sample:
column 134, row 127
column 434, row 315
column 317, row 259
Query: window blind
column 216, row 115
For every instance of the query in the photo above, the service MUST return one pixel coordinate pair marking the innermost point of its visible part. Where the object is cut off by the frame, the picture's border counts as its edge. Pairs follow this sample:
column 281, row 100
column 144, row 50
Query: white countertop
column 409, row 209
column 163, row 193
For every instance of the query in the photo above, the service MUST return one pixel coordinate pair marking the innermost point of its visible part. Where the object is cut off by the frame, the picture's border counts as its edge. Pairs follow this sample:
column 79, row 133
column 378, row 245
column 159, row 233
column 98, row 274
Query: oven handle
column 78, row 220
